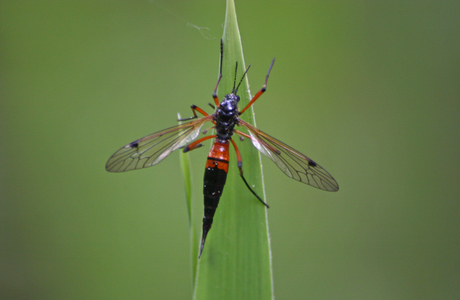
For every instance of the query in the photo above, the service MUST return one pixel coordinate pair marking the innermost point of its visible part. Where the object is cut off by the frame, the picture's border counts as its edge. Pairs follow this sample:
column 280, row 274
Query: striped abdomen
column 215, row 176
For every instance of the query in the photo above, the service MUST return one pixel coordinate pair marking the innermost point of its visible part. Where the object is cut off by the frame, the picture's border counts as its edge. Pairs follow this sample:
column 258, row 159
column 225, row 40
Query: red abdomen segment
column 215, row 176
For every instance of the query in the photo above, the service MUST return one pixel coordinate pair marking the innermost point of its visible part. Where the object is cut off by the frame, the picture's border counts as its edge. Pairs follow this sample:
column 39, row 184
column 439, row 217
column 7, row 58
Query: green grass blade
column 236, row 261
column 187, row 177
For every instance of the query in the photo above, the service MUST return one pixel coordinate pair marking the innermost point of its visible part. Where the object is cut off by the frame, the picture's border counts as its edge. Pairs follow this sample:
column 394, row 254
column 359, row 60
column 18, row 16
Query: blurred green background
column 368, row 89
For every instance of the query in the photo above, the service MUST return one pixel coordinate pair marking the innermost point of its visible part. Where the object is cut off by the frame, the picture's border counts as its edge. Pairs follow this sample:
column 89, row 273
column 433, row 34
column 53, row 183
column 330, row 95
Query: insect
column 152, row 149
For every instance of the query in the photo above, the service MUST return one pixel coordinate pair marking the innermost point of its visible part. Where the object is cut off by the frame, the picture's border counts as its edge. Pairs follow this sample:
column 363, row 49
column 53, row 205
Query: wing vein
column 293, row 163
column 152, row 149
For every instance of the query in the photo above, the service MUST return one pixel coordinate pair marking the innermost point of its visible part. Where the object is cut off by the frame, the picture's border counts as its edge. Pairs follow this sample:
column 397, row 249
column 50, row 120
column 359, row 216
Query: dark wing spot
column 311, row 163
column 134, row 144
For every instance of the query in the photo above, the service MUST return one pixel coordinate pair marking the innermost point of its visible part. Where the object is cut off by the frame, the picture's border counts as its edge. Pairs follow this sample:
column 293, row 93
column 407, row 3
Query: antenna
column 235, row 91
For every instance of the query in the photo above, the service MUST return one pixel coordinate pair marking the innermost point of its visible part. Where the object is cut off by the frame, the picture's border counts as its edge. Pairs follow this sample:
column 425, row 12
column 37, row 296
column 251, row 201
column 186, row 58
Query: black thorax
column 226, row 116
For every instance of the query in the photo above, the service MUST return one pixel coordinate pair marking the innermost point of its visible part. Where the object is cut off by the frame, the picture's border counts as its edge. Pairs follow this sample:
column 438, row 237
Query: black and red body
column 225, row 119
column 215, row 176
column 152, row 149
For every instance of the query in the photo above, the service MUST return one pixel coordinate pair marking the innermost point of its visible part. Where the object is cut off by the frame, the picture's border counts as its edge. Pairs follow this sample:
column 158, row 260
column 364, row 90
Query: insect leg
column 194, row 109
column 242, row 134
column 240, row 167
column 197, row 143
column 214, row 94
column 259, row 93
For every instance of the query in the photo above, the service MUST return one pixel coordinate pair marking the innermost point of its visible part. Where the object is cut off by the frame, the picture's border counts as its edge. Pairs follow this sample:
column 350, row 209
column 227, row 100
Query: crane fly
column 152, row 149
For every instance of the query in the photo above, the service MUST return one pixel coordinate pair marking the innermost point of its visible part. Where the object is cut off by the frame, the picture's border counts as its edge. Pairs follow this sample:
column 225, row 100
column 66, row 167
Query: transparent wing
column 152, row 149
column 293, row 163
